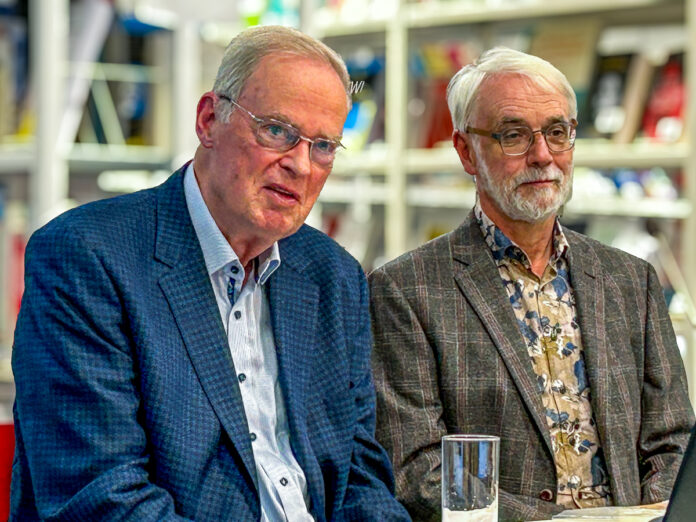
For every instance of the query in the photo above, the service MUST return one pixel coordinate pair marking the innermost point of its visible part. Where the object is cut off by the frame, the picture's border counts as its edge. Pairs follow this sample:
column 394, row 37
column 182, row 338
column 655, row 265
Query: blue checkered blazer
column 127, row 404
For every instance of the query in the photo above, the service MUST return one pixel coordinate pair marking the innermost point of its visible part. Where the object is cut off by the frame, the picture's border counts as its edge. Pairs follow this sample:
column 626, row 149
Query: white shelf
column 639, row 155
column 96, row 157
column 441, row 13
column 371, row 161
column 644, row 207
column 596, row 154
column 440, row 197
column 16, row 157
column 327, row 23
column 88, row 157
column 463, row 197
column 357, row 191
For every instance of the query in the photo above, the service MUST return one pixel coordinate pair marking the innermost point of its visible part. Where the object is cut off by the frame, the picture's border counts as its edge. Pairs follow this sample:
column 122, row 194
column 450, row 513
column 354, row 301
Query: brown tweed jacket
column 449, row 358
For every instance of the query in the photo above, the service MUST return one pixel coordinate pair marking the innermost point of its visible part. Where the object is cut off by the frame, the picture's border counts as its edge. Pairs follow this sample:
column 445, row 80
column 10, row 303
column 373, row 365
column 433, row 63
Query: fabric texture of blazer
column 449, row 358
column 128, row 406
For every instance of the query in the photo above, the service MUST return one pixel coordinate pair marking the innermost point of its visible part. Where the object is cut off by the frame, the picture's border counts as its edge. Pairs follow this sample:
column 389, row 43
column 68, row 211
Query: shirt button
column 234, row 269
column 237, row 314
column 252, row 436
column 283, row 481
column 241, row 377
column 546, row 495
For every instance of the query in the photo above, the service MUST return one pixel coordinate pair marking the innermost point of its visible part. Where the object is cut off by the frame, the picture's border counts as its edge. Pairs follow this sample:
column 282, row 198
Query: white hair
column 463, row 88
column 248, row 48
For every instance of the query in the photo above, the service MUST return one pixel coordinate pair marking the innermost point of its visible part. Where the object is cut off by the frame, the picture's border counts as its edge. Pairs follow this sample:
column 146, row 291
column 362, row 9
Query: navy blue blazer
column 127, row 403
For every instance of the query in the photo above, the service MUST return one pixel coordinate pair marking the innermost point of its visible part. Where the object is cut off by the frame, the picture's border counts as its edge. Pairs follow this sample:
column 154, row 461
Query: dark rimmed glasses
column 281, row 136
column 515, row 140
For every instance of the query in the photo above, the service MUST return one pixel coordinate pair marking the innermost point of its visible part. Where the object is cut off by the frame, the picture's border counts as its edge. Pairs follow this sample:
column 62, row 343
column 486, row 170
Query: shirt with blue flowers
column 546, row 316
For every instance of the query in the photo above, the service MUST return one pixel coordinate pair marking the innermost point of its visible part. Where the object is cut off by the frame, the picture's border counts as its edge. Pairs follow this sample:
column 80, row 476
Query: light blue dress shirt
column 282, row 484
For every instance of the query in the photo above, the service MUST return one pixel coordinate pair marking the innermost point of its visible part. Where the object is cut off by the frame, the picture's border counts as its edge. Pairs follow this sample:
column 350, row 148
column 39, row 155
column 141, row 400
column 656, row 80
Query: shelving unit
column 397, row 163
column 394, row 172
column 40, row 171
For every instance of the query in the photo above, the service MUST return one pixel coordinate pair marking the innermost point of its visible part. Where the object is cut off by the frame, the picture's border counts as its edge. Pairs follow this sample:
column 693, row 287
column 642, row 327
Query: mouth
column 283, row 193
column 539, row 182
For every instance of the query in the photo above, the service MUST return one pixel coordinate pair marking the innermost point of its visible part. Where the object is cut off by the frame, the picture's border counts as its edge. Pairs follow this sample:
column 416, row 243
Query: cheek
column 314, row 185
column 565, row 163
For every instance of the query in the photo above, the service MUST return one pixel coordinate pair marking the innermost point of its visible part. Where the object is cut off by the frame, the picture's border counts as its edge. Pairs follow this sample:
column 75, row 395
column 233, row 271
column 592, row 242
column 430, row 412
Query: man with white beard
column 512, row 325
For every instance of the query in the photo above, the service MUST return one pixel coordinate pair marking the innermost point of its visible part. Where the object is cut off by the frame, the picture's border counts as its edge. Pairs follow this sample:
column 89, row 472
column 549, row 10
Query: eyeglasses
column 516, row 140
column 280, row 136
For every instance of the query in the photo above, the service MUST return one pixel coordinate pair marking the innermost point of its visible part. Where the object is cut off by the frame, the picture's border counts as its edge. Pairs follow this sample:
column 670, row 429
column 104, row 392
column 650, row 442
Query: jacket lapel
column 479, row 280
column 187, row 288
column 587, row 280
column 294, row 302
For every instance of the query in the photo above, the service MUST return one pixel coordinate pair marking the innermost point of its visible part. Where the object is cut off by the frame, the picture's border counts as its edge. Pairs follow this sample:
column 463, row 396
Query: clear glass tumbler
column 470, row 478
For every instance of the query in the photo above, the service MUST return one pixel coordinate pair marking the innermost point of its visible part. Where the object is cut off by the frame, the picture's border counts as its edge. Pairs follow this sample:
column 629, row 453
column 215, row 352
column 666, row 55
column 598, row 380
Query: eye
column 557, row 131
column 325, row 146
column 514, row 134
column 275, row 130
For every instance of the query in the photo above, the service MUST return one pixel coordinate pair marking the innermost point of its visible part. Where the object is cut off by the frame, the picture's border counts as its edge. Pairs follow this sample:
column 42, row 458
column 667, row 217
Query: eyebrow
column 509, row 120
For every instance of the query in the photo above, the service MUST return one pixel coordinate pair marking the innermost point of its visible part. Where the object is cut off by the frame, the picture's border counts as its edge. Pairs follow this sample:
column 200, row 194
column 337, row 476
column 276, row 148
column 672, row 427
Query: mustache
column 531, row 175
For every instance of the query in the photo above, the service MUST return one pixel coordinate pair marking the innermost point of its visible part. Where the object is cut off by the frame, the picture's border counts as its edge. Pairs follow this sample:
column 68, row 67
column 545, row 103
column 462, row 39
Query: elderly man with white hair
column 512, row 325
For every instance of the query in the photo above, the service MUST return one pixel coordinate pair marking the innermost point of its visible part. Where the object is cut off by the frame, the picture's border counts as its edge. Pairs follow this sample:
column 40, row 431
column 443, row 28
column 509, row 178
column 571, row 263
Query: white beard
column 512, row 202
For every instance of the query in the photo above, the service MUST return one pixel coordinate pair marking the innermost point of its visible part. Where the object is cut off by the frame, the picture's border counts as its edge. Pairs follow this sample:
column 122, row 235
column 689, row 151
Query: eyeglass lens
column 279, row 136
column 517, row 140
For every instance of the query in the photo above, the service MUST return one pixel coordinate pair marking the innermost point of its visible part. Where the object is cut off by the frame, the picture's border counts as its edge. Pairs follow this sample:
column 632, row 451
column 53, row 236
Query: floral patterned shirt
column 546, row 316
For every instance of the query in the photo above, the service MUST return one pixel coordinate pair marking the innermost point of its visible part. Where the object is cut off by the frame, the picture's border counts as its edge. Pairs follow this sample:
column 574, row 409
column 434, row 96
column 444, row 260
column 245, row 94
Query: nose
column 539, row 154
column 298, row 158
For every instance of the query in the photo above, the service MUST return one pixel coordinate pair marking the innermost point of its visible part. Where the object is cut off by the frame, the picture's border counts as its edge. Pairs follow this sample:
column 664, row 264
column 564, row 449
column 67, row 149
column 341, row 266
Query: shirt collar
column 503, row 247
column 217, row 252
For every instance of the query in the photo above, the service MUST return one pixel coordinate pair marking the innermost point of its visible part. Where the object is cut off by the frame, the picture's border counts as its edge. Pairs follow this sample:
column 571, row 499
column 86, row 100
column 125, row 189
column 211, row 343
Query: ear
column 205, row 119
column 465, row 150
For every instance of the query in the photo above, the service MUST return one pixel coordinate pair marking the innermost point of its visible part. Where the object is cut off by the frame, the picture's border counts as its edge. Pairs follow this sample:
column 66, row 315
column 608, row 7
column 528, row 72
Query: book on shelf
column 12, row 247
column 637, row 88
column 365, row 122
column 602, row 115
column 433, row 65
column 13, row 75
column 570, row 47
column 638, row 79
column 663, row 118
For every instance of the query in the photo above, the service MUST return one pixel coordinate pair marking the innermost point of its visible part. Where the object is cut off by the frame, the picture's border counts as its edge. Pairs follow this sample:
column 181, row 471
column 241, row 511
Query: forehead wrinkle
column 298, row 100
column 550, row 120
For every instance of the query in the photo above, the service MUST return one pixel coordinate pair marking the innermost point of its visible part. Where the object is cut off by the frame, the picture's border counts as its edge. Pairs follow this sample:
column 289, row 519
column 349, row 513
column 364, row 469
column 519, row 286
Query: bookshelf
column 402, row 178
column 397, row 163
column 53, row 161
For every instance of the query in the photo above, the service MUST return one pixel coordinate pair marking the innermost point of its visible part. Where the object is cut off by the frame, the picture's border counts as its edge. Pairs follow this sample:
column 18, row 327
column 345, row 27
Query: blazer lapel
column 187, row 288
column 479, row 280
column 294, row 301
column 587, row 280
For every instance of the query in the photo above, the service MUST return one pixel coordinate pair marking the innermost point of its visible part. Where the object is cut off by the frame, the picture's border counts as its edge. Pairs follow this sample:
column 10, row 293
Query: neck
column 246, row 246
column 535, row 239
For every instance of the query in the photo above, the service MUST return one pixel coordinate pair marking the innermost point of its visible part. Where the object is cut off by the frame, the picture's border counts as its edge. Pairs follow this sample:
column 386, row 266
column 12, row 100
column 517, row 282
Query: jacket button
column 546, row 494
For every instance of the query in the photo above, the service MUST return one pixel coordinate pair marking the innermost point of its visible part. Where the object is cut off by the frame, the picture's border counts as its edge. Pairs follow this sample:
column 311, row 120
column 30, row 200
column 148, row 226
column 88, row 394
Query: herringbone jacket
column 449, row 358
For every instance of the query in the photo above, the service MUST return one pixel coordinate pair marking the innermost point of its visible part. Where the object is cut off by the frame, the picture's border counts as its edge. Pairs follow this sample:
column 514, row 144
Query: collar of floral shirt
column 502, row 247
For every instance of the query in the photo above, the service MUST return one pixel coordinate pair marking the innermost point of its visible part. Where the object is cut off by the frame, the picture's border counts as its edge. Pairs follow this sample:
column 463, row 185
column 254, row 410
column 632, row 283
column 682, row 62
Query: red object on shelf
column 6, row 454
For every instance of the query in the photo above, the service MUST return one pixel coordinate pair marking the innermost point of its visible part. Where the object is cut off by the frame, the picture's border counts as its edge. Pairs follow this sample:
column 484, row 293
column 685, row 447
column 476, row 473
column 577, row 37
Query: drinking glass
column 470, row 478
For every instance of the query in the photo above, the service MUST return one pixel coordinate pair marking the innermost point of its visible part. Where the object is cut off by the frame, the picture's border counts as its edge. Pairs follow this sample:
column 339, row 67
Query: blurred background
column 98, row 98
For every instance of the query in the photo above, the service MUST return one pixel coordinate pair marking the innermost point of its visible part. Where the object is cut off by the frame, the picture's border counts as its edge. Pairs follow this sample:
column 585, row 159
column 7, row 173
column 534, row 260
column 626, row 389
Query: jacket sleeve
column 410, row 410
column 81, row 452
column 667, row 416
column 370, row 491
